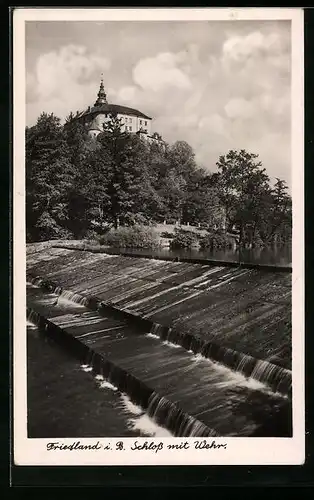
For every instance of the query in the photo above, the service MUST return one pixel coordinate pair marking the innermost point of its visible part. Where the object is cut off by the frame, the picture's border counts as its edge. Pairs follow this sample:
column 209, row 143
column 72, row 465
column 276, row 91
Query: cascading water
column 32, row 316
column 159, row 409
column 73, row 297
column 273, row 375
column 179, row 423
column 277, row 378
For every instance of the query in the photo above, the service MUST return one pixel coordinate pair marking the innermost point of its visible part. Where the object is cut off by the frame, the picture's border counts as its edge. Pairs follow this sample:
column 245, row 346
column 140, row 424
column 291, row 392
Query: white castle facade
column 132, row 120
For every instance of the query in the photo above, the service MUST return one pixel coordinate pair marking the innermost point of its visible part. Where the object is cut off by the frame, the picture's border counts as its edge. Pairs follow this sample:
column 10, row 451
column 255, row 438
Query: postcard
column 158, row 238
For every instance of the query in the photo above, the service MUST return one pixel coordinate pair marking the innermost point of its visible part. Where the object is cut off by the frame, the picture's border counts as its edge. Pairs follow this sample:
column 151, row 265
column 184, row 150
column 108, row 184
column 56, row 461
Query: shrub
column 131, row 237
column 183, row 239
column 258, row 242
column 166, row 234
column 90, row 235
column 216, row 239
column 48, row 229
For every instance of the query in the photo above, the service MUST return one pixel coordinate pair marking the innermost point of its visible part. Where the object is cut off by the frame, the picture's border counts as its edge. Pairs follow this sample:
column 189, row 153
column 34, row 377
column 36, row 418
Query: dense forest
column 77, row 187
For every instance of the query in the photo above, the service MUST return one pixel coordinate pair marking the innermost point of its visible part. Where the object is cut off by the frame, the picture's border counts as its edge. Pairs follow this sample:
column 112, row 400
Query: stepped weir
column 204, row 350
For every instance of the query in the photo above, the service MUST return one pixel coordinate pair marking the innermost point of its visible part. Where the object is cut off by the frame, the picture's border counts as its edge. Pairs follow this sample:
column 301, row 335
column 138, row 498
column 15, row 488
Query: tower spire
column 102, row 97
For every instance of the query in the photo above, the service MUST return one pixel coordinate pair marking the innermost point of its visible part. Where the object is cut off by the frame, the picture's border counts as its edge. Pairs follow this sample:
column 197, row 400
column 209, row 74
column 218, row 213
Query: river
column 275, row 256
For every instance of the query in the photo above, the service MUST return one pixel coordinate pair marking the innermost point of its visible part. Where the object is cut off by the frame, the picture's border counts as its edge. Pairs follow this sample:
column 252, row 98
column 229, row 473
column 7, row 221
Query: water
column 68, row 401
column 238, row 309
column 188, row 398
column 275, row 256
column 64, row 401
column 276, row 377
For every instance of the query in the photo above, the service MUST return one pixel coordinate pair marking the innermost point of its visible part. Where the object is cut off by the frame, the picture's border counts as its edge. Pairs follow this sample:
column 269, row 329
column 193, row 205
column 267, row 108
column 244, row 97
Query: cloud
column 126, row 94
column 161, row 71
column 239, row 108
column 62, row 80
column 221, row 87
column 240, row 48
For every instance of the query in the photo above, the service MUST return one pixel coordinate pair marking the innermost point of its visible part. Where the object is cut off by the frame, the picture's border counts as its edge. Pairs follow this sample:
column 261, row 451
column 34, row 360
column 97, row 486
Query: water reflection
column 276, row 256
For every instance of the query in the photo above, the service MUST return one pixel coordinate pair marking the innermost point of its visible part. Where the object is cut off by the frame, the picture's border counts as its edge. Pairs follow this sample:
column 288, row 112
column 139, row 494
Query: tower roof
column 102, row 106
column 102, row 97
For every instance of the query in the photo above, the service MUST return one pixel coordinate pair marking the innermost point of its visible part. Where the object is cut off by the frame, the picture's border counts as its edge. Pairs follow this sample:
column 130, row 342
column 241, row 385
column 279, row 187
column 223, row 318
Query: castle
column 132, row 120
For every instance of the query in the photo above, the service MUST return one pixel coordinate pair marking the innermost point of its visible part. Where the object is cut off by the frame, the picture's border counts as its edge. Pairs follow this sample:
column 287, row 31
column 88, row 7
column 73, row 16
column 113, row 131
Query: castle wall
column 134, row 123
column 129, row 124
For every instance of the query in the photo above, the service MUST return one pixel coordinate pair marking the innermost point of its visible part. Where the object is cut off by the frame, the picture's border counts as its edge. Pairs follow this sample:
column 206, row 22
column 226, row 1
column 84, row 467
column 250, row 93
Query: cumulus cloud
column 161, row 71
column 71, row 65
column 62, row 80
column 239, row 108
column 126, row 94
column 230, row 89
column 239, row 48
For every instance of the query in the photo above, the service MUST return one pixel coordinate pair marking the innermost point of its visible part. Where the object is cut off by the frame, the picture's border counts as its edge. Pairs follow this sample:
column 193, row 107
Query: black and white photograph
column 158, row 176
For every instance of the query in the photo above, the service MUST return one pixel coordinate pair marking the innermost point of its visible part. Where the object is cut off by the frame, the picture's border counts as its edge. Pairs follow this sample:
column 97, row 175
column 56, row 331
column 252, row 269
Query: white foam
column 62, row 301
column 129, row 406
column 31, row 285
column 86, row 368
column 170, row 344
column 142, row 423
column 31, row 325
column 107, row 385
column 145, row 425
column 153, row 336
column 234, row 378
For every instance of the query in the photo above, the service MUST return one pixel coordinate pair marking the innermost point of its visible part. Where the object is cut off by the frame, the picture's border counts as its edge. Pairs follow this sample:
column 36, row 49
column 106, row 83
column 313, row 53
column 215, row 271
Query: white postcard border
column 238, row 451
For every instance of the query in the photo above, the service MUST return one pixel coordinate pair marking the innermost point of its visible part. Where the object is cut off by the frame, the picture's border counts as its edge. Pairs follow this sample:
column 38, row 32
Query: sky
column 218, row 85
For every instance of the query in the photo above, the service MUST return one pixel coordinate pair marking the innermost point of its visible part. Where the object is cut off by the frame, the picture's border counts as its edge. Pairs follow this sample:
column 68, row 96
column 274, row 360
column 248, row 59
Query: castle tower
column 132, row 120
column 102, row 97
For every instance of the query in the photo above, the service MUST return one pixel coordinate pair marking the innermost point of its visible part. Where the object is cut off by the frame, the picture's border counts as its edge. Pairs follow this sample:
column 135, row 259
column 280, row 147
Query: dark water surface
column 276, row 256
column 65, row 400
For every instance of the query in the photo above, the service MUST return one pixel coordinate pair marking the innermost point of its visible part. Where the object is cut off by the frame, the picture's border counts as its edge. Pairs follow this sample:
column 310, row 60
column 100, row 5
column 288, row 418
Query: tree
column 244, row 191
column 181, row 158
column 278, row 226
column 172, row 192
column 77, row 141
column 202, row 203
column 131, row 196
column 49, row 177
column 74, row 184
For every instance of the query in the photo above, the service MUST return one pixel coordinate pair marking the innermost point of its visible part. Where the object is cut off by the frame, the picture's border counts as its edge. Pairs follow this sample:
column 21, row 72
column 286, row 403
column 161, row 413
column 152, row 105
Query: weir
column 277, row 378
column 121, row 313
column 241, row 318
column 158, row 408
column 187, row 395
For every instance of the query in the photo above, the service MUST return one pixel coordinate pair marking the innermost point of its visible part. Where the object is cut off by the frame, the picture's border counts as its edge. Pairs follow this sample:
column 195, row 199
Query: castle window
column 130, row 128
column 145, row 123
column 140, row 122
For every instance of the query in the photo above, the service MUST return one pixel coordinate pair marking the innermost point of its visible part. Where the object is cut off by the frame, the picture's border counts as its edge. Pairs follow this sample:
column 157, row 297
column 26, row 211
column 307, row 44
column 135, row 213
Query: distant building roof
column 102, row 106
column 113, row 108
